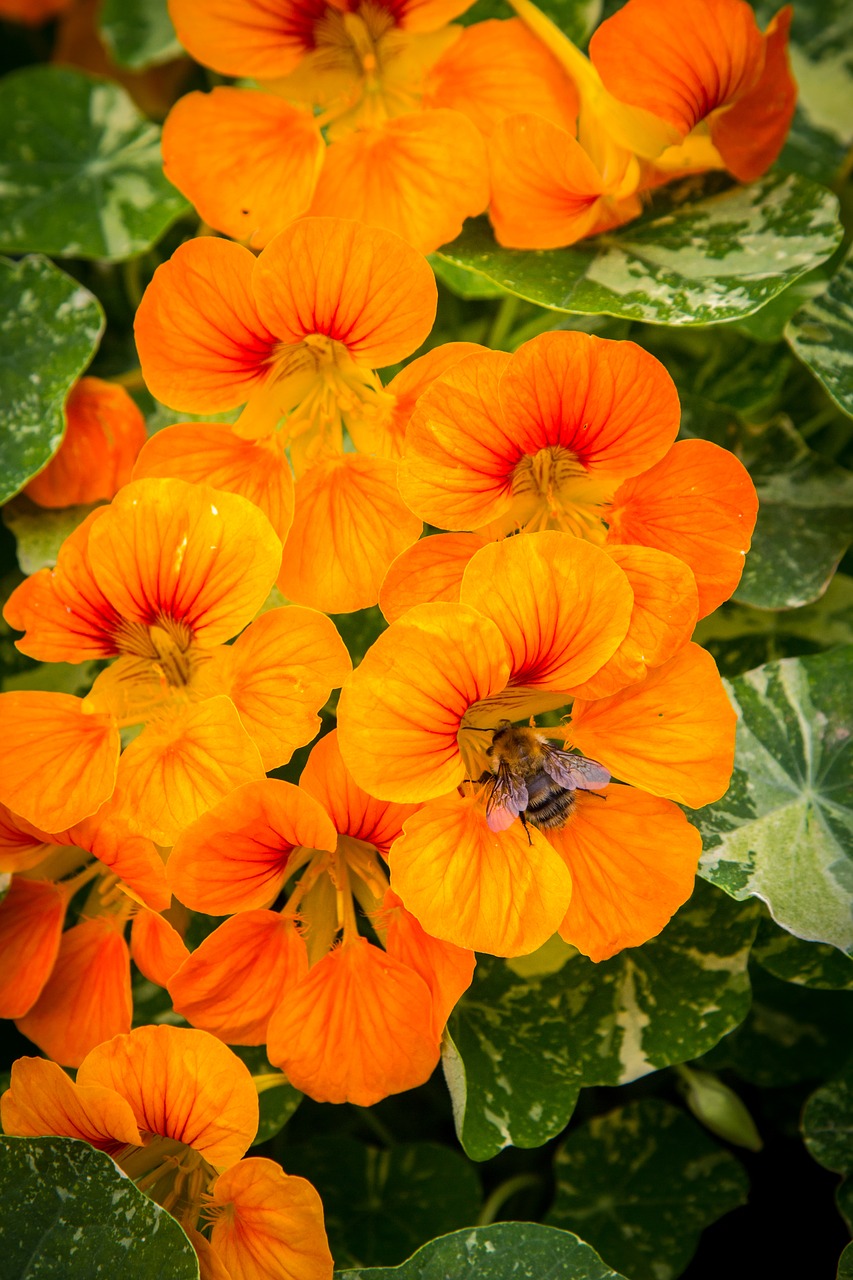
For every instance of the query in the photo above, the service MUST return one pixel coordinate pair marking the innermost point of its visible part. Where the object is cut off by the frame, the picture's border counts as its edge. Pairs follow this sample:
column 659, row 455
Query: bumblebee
column 530, row 779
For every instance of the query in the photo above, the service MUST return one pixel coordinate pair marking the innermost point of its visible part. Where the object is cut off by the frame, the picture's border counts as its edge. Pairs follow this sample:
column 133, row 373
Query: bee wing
column 573, row 772
column 506, row 800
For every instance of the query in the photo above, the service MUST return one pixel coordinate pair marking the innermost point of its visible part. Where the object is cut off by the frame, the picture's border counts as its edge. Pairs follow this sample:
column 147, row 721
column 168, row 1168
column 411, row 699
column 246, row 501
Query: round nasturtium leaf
column 81, row 174
column 69, row 1213
column 821, row 334
column 50, row 327
column 807, row 964
column 694, row 259
column 138, row 33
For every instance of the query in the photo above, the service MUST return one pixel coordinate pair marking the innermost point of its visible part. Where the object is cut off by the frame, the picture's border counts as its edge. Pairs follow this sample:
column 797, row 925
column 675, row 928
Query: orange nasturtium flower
column 348, row 1021
column 161, row 579
column 177, row 1111
column 573, row 433
column 669, row 88
column 69, row 991
column 542, row 620
column 104, row 433
column 295, row 336
column 402, row 98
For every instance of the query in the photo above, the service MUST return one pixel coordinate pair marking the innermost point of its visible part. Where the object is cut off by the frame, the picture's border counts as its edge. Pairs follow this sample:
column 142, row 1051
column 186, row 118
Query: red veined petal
column 42, row 1100
column 431, row 569
column 353, row 812
column 446, row 969
column 248, row 37
column 31, row 916
column 409, row 384
column 750, row 134
column 157, row 948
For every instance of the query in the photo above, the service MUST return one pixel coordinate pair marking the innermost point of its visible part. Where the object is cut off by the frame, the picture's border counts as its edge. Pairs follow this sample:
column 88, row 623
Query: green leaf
column 784, row 830
column 80, row 169
column 277, row 1098
column 642, row 1183
column 821, row 334
column 827, row 1123
column 807, row 964
column 805, row 518
column 380, row 1205
column 521, row 1049
column 463, row 283
column 791, row 1034
column 503, row 1251
column 40, row 531
column 50, row 327
column 138, row 33
column 694, row 259
column 845, row 1264
column 69, row 1213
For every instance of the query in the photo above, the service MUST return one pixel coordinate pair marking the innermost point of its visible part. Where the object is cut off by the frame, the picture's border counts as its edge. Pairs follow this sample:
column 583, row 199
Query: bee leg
column 526, row 828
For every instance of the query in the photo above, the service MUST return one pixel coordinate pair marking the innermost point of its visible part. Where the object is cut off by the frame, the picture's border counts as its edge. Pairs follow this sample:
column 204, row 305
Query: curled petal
column 43, row 1100
column 233, row 983
column 31, row 916
column 357, row 1029
column 633, row 861
column 179, row 767
column 201, row 343
column 699, row 504
column 211, row 453
column 248, row 161
column 446, row 969
column 353, row 812
column 402, row 708
column 181, row 1084
column 431, row 569
column 751, row 133
column 562, row 605
column 21, row 846
column 408, row 385
column 673, row 734
column 271, row 1225
column 235, row 857
column 58, row 760
column 135, row 860
column 362, row 286
column 87, row 997
column 491, row 891
column 350, row 523
column 157, row 948
column 420, row 175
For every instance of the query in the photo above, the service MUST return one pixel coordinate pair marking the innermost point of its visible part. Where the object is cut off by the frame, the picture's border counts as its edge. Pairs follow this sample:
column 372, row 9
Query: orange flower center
column 327, row 891
column 552, row 489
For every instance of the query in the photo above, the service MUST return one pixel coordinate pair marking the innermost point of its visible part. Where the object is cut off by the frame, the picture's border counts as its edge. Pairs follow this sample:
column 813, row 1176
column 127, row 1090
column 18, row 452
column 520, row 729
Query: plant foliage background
column 685, row 1108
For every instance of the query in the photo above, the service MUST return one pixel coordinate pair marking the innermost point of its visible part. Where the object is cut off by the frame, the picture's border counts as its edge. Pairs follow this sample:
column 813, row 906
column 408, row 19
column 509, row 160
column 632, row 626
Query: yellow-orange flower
column 345, row 1019
column 177, row 1110
column 162, row 578
column 296, row 336
column 539, row 618
column 575, row 433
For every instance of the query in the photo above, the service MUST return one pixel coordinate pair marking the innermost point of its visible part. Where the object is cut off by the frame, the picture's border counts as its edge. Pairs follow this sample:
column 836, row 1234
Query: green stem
column 495, row 1202
column 503, row 322
column 382, row 1131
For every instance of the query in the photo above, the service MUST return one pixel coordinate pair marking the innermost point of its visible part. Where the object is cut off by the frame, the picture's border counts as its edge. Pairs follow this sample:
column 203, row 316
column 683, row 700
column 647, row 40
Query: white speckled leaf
column 694, row 259
column 827, row 1123
column 50, row 327
column 80, row 169
column 521, row 1049
column 784, row 830
column 642, row 1183
column 69, row 1213
column 138, row 33
column 806, row 964
column 503, row 1251
column 821, row 334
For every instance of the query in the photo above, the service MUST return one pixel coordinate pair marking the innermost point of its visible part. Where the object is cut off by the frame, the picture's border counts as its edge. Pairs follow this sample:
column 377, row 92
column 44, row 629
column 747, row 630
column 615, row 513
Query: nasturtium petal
column 662, row 619
column 672, row 734
column 700, row 505
column 633, row 863
column 431, row 569
column 251, row 39
column 157, row 948
column 407, row 386
column 272, row 1226
column 349, row 524
column 211, row 453
column 353, row 812
column 358, row 1028
column 181, row 1084
column 42, row 1099
column 31, row 916
column 109, row 835
column 58, row 760
column 499, row 892
column 22, row 846
column 248, row 161
column 362, row 286
column 562, row 606
column 87, row 997
column 445, row 968
column 419, row 175
column 237, row 978
column 234, row 858
column 167, row 549
column 401, row 709
column 202, row 345
column 180, row 766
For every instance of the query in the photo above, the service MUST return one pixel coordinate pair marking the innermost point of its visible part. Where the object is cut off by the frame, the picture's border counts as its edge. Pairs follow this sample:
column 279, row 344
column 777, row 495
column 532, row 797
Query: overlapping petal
column 445, row 968
column 353, row 812
column 43, row 1100
column 431, row 569
column 31, row 916
column 157, row 948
